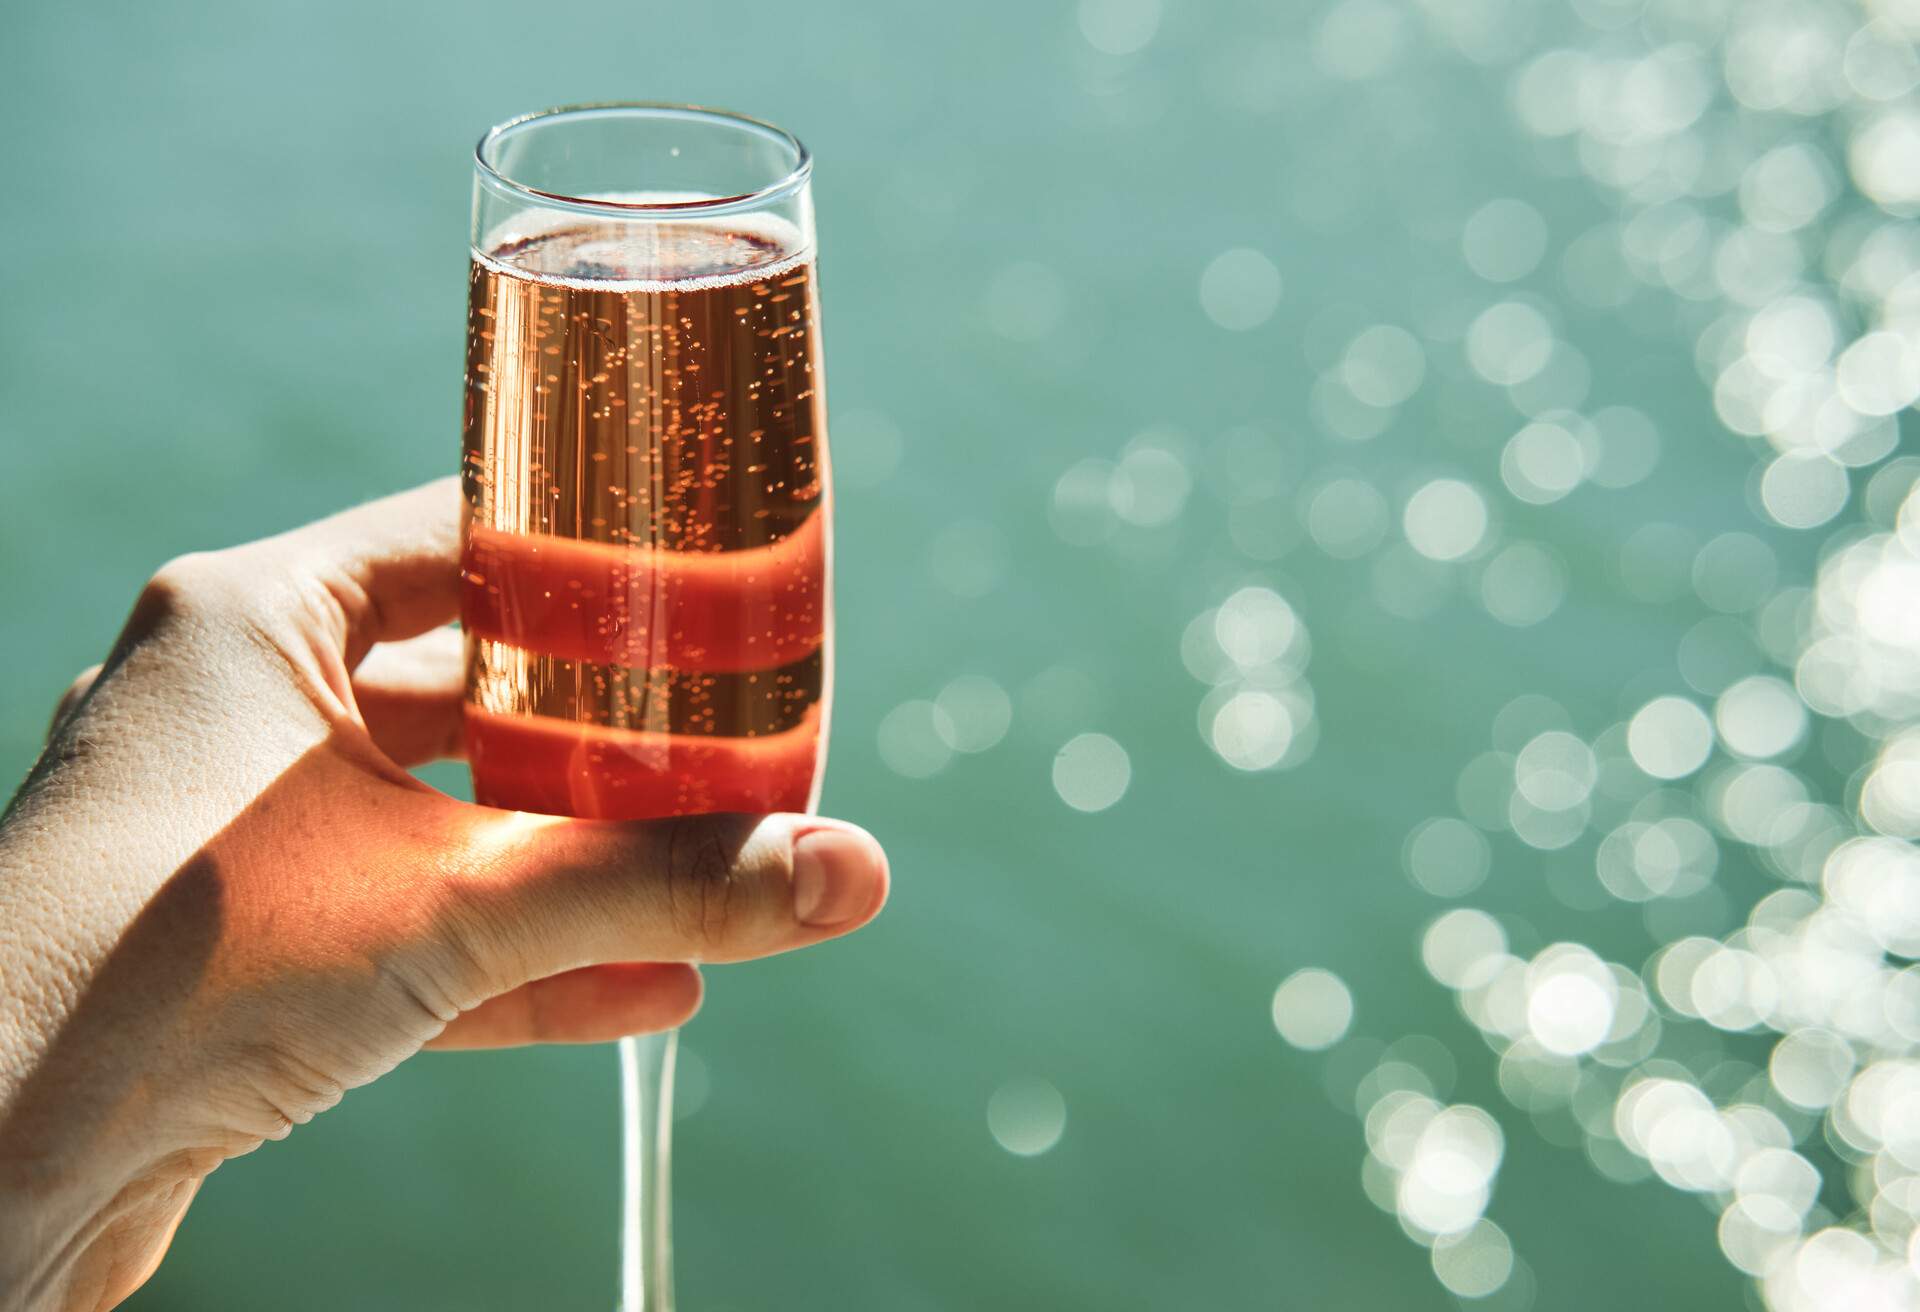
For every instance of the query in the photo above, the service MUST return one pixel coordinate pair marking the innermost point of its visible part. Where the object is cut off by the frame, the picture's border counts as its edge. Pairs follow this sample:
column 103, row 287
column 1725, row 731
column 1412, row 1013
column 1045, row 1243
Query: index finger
column 392, row 565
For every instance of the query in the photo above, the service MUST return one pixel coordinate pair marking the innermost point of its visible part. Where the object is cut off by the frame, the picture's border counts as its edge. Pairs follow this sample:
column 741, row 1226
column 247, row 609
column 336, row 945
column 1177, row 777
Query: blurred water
column 1374, row 642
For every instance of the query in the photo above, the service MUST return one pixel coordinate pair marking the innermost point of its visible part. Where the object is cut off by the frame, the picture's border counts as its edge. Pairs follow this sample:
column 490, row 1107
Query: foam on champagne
column 648, row 254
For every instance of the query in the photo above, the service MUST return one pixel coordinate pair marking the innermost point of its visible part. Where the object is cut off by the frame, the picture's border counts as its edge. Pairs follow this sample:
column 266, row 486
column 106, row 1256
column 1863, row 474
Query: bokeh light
column 1445, row 519
column 1091, row 772
column 1447, row 857
column 977, row 713
column 1312, row 1009
column 1026, row 1116
column 1670, row 737
column 1504, row 240
column 1240, row 289
column 915, row 739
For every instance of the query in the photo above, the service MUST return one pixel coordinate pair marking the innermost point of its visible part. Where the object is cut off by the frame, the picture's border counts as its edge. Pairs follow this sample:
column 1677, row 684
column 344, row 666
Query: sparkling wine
column 645, row 566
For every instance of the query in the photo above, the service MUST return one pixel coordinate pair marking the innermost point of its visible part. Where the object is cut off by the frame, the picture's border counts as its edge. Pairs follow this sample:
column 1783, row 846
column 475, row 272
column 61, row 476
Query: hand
column 224, row 901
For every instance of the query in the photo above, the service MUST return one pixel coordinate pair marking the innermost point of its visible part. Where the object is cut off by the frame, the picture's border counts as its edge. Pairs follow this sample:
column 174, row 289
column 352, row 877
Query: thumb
column 531, row 896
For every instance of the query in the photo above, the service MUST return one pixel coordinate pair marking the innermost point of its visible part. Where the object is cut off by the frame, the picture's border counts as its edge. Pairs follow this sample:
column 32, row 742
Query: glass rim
column 795, row 178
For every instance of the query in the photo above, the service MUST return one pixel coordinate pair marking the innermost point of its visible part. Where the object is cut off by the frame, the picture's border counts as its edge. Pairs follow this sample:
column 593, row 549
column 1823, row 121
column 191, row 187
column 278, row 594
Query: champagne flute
column 646, row 556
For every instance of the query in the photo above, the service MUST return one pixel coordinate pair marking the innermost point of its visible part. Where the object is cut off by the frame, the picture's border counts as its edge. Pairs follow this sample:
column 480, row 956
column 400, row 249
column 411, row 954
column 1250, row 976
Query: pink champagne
column 645, row 569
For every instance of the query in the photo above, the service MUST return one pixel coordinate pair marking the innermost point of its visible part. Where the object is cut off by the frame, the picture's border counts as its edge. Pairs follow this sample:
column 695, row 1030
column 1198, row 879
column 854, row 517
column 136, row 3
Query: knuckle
column 183, row 582
column 76, row 692
column 190, row 587
column 715, row 902
column 78, row 688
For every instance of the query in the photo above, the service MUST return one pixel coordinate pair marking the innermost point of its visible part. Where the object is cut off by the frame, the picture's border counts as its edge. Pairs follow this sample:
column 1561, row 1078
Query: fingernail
column 833, row 874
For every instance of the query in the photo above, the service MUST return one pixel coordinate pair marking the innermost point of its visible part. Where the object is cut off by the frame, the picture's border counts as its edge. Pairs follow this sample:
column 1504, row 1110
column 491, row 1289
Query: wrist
column 84, row 1172
column 73, row 1239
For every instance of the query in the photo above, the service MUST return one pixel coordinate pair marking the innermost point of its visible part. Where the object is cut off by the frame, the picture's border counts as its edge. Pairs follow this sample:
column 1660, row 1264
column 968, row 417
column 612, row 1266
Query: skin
column 224, row 901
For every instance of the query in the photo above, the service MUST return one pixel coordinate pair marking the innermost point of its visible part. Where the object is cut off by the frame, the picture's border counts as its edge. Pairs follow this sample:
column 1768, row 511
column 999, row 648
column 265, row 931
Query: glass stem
column 646, row 1213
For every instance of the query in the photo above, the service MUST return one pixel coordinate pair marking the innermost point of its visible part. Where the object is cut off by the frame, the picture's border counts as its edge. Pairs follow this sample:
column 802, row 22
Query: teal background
column 233, row 302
